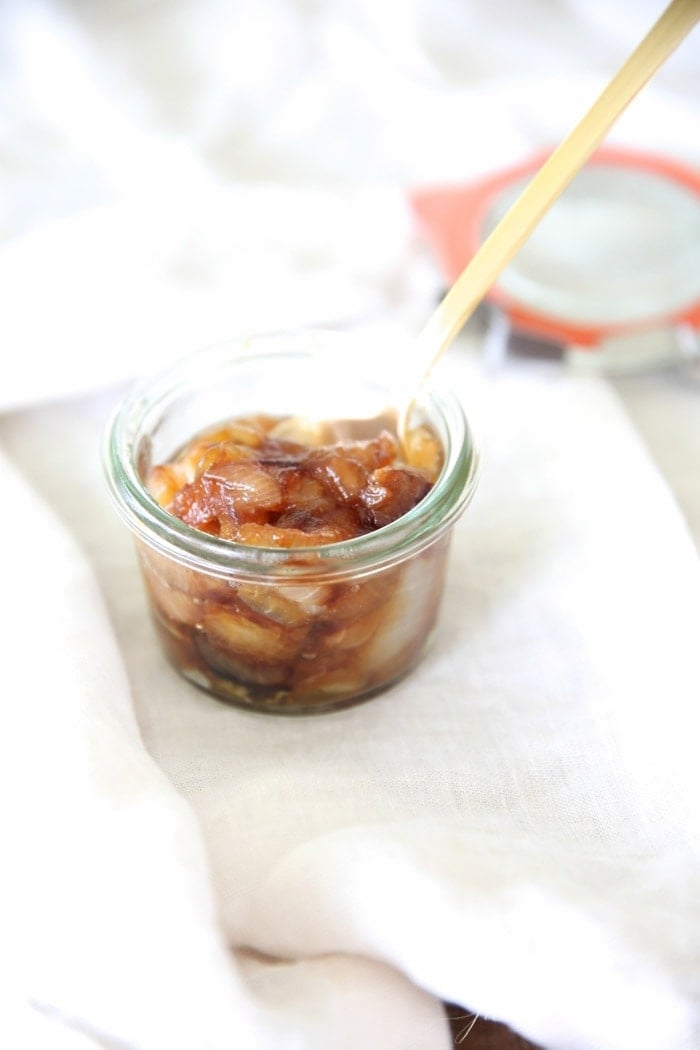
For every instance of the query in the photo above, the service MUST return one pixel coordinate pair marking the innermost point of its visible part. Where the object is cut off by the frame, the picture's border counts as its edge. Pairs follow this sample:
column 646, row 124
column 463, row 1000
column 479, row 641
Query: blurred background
column 176, row 171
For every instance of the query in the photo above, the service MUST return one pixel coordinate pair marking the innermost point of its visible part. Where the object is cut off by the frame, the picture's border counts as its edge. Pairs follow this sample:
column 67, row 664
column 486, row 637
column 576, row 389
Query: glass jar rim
column 195, row 549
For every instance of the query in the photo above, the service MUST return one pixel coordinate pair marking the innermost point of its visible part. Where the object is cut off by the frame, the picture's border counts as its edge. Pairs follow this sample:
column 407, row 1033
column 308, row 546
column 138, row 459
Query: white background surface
column 516, row 827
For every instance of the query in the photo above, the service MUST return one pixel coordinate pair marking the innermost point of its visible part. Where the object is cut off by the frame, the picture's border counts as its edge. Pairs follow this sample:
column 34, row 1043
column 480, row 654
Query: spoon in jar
column 517, row 224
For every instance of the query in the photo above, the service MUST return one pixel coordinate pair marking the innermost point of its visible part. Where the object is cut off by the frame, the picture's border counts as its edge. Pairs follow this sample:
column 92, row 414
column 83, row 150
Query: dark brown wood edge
column 476, row 1033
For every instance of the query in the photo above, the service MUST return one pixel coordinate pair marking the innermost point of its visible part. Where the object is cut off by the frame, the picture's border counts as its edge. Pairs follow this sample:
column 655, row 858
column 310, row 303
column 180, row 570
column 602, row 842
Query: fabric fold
column 115, row 940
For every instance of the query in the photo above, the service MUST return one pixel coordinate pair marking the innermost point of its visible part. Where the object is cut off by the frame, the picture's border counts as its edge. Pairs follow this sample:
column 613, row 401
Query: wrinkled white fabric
column 515, row 827
column 119, row 933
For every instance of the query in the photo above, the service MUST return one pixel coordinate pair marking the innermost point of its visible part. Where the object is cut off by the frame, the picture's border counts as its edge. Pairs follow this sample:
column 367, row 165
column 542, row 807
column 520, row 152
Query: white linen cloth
column 515, row 827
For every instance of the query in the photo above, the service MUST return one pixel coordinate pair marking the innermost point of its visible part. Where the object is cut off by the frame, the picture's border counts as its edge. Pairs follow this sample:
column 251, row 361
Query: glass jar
column 286, row 630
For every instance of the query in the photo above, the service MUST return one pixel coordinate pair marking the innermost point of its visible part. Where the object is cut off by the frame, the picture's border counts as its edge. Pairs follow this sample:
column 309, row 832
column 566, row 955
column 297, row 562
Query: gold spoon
column 519, row 221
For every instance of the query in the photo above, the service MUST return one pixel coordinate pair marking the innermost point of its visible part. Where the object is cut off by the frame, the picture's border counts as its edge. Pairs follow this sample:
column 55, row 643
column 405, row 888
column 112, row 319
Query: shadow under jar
column 289, row 630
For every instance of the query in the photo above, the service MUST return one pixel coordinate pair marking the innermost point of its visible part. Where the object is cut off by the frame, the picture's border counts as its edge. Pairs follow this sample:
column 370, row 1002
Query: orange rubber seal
column 452, row 220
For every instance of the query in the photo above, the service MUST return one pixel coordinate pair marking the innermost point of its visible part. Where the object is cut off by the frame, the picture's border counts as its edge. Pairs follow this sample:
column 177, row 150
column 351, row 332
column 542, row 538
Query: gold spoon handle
column 550, row 181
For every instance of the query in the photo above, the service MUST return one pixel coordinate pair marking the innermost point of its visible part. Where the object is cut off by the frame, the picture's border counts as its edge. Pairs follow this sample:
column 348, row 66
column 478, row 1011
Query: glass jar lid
column 619, row 251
